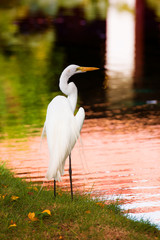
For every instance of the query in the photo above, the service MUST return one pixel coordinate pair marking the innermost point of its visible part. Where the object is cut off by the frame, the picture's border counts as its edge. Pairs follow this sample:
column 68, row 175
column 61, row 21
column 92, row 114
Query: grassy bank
column 24, row 217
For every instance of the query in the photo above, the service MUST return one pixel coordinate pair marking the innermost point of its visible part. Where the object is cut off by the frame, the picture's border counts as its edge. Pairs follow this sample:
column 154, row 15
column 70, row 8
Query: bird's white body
column 62, row 129
column 61, row 125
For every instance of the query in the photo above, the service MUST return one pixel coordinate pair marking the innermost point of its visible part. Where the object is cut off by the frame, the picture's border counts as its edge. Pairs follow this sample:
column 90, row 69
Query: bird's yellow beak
column 86, row 69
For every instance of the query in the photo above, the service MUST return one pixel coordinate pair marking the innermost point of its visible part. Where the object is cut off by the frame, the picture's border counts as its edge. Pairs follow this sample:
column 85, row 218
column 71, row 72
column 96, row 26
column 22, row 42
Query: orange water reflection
column 118, row 159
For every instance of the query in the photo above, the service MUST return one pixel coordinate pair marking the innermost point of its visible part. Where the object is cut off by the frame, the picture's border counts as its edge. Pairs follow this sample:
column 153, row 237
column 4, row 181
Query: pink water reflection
column 118, row 158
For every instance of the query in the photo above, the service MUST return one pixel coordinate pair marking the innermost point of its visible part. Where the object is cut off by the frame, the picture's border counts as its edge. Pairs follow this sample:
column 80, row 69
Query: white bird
column 62, row 126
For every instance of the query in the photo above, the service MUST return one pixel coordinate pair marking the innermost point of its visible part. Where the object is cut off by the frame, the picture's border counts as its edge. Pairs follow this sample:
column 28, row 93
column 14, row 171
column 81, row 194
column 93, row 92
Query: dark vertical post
column 54, row 188
column 70, row 175
column 139, row 42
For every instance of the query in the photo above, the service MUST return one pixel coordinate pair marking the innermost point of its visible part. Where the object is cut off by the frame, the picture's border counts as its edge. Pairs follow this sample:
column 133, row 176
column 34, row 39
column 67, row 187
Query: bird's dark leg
column 54, row 188
column 70, row 175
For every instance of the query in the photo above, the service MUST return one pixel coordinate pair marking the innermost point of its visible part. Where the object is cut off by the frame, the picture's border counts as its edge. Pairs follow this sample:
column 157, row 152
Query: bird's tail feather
column 63, row 145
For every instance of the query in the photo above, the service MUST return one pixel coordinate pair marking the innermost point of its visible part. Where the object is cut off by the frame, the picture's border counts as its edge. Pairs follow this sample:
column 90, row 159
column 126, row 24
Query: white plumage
column 62, row 127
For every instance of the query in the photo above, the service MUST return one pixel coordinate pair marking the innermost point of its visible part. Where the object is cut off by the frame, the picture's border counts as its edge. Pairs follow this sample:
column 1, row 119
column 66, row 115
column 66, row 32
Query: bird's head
column 73, row 69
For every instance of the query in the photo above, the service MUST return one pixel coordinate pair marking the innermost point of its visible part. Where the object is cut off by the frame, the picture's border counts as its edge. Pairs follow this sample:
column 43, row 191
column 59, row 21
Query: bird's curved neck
column 73, row 100
column 69, row 89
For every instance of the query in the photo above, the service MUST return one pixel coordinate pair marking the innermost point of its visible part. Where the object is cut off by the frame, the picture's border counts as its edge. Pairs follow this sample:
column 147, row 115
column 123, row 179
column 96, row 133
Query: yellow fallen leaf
column 32, row 217
column 47, row 211
column 14, row 198
column 3, row 196
column 100, row 204
column 88, row 211
column 12, row 224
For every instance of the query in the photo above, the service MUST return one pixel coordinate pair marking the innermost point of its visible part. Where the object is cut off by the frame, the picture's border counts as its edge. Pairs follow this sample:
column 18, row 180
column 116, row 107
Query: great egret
column 62, row 127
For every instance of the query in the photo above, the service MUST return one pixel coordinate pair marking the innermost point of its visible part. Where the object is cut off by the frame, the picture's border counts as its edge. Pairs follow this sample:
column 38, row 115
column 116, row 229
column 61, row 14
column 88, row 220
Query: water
column 119, row 158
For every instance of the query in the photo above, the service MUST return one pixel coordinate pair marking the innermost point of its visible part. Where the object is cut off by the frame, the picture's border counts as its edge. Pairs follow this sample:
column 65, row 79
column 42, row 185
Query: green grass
column 81, row 218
